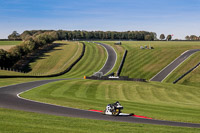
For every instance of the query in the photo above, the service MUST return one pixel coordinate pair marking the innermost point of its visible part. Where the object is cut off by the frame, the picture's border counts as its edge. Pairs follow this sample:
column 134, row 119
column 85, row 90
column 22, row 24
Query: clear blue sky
column 178, row 17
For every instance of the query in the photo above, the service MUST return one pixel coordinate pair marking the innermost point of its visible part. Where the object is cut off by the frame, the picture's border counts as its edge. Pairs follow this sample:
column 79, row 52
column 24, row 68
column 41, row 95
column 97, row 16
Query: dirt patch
column 6, row 47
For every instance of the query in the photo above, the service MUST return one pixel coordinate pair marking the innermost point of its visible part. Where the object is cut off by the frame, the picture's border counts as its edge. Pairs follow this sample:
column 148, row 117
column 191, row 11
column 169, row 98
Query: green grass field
column 57, row 60
column 7, row 72
column 22, row 122
column 10, row 42
column 6, row 45
column 191, row 79
column 157, row 100
column 12, row 81
column 147, row 63
column 87, row 66
column 93, row 60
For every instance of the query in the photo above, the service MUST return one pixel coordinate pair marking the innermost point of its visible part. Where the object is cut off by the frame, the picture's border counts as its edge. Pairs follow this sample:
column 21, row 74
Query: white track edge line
column 115, row 60
column 107, row 58
column 168, row 65
column 18, row 95
column 176, row 67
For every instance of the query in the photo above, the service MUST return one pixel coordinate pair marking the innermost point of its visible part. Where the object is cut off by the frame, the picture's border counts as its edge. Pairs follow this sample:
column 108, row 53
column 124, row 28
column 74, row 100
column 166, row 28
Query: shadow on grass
column 24, row 64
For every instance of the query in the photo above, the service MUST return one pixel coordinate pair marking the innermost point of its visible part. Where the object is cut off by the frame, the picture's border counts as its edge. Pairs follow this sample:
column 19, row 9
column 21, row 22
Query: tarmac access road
column 9, row 98
column 111, row 59
column 173, row 65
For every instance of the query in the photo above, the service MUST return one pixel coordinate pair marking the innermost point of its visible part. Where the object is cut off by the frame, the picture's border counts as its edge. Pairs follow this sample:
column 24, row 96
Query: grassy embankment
column 161, row 101
column 23, row 122
column 57, row 60
column 192, row 78
column 54, row 61
column 92, row 61
column 146, row 63
column 156, row 100
column 6, row 45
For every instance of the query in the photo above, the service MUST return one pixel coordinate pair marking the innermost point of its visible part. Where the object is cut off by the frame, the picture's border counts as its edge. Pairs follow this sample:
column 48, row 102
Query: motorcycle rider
column 113, row 109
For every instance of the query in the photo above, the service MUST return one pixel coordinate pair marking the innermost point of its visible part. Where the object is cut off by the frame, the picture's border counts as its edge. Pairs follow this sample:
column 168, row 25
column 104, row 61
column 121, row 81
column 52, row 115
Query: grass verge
column 23, row 122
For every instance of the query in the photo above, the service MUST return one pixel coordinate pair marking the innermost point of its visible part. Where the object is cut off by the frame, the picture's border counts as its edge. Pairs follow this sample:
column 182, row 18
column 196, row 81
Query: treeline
column 9, row 58
column 91, row 35
column 193, row 38
column 168, row 38
column 35, row 39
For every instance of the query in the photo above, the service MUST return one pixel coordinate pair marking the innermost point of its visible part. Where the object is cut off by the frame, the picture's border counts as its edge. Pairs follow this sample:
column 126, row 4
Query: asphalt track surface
column 9, row 98
column 173, row 65
column 111, row 60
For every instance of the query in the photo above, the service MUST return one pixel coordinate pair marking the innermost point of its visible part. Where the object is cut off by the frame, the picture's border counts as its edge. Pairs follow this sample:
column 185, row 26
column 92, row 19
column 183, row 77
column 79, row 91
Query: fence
column 11, row 69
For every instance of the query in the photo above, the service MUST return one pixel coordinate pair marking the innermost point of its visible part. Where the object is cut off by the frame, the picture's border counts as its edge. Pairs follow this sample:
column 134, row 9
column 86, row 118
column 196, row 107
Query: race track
column 9, row 98
column 111, row 60
column 173, row 65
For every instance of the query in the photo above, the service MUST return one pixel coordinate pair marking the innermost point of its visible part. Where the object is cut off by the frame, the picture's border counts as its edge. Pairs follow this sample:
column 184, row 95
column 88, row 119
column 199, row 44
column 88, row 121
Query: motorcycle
column 113, row 109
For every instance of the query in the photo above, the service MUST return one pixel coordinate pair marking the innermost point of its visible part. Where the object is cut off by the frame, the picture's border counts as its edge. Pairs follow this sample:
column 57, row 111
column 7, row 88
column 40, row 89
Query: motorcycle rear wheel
column 116, row 112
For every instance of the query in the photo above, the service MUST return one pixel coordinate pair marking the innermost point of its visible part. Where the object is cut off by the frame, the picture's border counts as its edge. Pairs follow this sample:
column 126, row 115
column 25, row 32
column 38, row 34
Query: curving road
column 111, row 60
column 9, row 98
column 173, row 65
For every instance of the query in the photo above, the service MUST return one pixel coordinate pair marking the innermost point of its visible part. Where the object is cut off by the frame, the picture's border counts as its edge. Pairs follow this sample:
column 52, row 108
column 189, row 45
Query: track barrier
column 126, row 78
column 122, row 63
column 186, row 73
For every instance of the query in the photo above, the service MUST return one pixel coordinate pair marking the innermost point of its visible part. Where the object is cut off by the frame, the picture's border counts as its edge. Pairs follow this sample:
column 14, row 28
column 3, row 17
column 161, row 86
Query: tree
column 155, row 36
column 187, row 38
column 149, row 38
column 169, row 37
column 162, row 36
column 14, row 36
column 193, row 37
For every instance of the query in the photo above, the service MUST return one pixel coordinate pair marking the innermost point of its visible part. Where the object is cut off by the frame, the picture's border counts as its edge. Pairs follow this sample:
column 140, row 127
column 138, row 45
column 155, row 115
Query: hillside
column 145, row 63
